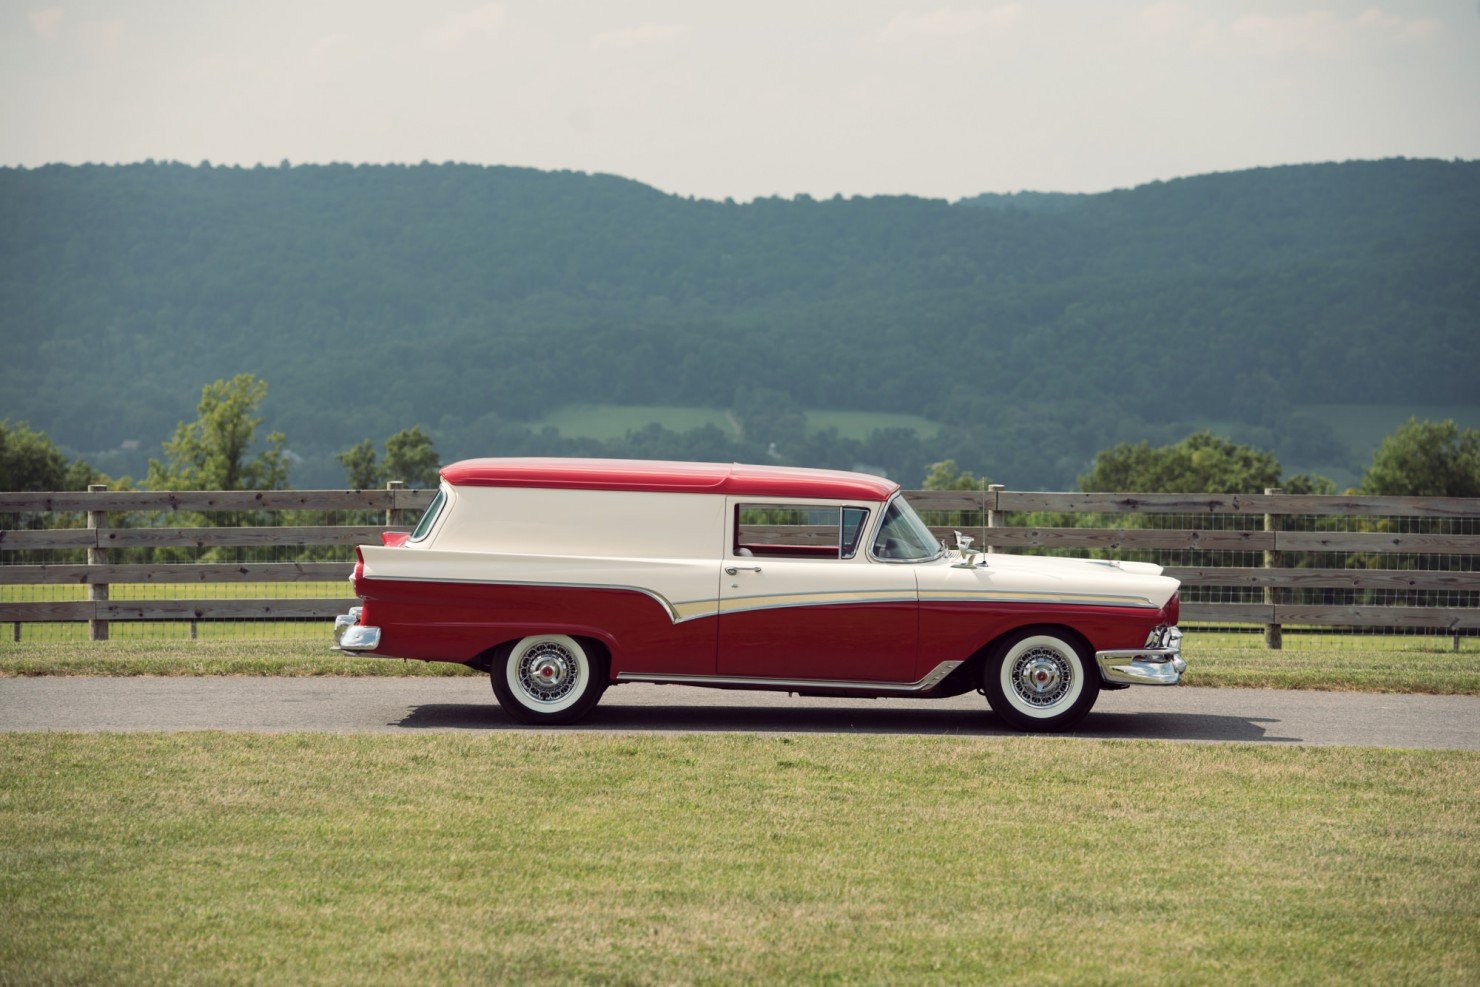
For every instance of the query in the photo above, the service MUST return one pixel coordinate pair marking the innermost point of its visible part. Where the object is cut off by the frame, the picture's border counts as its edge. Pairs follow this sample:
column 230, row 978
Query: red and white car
column 563, row 577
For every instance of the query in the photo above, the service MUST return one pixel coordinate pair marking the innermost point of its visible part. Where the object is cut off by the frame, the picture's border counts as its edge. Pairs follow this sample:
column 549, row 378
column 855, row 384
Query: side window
column 791, row 531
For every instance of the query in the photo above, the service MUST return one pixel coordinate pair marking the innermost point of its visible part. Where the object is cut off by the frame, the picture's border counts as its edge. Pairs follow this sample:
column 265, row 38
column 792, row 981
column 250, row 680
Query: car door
column 801, row 600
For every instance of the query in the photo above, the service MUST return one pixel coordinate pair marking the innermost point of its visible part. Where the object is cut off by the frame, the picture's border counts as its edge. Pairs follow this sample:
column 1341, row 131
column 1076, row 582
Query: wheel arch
column 597, row 648
column 967, row 676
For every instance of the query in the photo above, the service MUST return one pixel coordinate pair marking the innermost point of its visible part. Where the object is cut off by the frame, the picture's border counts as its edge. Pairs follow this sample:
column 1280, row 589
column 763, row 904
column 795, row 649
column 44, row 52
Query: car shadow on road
column 819, row 719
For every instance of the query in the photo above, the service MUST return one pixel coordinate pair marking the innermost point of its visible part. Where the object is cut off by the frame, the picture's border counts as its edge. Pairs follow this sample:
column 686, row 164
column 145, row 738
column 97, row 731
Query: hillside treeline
column 476, row 299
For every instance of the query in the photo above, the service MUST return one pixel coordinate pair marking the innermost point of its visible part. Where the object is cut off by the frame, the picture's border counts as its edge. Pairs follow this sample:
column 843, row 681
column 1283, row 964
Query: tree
column 946, row 475
column 361, row 467
column 214, row 452
column 29, row 460
column 1426, row 459
column 1200, row 463
column 410, row 455
column 1309, row 483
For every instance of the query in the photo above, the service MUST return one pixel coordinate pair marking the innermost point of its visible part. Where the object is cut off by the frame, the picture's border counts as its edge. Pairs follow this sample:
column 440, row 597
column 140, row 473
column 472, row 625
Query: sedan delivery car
column 564, row 577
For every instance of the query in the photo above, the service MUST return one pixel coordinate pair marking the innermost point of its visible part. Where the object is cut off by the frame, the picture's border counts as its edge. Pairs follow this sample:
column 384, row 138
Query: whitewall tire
column 1041, row 680
column 548, row 678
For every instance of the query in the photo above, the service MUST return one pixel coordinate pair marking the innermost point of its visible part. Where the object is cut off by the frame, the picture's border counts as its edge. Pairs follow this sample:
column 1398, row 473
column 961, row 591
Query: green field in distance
column 1363, row 426
column 613, row 421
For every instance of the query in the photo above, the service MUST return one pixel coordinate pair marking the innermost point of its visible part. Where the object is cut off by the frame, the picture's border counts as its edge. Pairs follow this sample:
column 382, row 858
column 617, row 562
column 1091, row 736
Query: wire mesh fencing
column 188, row 564
column 1274, row 570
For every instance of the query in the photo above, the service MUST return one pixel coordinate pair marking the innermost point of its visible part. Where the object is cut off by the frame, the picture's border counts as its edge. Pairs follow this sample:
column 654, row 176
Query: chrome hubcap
column 1042, row 677
column 548, row 672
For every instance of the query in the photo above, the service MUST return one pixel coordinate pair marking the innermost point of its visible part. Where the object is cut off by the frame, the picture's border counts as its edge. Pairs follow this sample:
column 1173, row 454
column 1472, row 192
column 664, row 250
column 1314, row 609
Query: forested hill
column 470, row 299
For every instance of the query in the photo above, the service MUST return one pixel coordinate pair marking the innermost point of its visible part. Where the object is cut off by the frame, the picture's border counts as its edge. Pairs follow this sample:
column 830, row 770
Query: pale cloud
column 47, row 23
column 333, row 47
column 632, row 37
column 1373, row 19
column 1322, row 32
column 1161, row 20
column 946, row 23
column 857, row 97
column 101, row 35
column 1311, row 32
column 453, row 31
column 217, row 66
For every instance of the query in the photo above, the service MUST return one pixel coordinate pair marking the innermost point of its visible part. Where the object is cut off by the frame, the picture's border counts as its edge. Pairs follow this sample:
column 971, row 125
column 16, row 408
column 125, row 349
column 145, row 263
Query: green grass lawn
column 295, row 656
column 210, row 858
column 1399, row 664
column 1360, row 662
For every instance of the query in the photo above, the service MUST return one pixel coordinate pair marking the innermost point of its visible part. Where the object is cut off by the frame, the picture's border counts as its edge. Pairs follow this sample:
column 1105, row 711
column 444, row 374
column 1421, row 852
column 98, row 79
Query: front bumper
column 1159, row 663
column 352, row 636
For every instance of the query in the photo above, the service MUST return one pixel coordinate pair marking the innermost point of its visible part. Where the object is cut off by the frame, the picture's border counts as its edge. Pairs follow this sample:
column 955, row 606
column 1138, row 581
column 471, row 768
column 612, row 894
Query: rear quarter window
column 424, row 526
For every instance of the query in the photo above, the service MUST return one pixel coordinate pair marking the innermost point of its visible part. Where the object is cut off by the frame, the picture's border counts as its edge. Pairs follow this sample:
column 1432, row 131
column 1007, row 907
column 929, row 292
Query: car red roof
column 669, row 477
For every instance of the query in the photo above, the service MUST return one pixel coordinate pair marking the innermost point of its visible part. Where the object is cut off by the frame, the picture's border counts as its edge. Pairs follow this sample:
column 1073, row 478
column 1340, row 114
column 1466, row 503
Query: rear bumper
column 352, row 636
column 1159, row 663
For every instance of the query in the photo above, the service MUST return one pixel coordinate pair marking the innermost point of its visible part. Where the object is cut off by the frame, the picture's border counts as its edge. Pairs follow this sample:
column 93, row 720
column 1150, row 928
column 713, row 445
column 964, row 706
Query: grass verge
column 225, row 657
column 1347, row 666
column 556, row 857
column 1344, row 666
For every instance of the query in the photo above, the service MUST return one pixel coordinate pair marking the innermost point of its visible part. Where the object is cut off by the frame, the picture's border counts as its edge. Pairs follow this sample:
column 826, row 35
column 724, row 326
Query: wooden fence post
column 391, row 487
column 1274, row 637
column 994, row 516
column 97, row 630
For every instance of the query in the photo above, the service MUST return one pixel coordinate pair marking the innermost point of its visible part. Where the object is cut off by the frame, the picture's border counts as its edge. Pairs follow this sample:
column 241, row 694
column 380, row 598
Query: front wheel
column 549, row 678
column 1040, row 681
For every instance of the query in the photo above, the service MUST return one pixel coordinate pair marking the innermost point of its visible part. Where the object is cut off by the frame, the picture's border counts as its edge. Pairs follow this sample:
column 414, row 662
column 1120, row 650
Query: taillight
column 1174, row 608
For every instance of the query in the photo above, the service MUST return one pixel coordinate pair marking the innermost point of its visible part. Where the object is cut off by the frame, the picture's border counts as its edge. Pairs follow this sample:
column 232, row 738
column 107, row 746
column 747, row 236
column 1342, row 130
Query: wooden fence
column 1284, row 532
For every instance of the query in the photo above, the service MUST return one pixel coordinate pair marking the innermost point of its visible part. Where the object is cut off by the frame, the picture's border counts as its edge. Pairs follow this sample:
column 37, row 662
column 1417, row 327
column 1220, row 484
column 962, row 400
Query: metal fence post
column 391, row 487
column 97, row 630
column 994, row 516
column 1274, row 637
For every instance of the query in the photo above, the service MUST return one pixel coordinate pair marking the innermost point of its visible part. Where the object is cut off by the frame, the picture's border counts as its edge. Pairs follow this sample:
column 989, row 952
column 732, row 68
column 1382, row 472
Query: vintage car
column 563, row 577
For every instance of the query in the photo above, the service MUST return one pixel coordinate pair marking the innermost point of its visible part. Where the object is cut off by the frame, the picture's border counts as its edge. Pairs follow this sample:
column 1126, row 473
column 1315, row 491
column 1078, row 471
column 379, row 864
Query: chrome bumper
column 351, row 635
column 1159, row 663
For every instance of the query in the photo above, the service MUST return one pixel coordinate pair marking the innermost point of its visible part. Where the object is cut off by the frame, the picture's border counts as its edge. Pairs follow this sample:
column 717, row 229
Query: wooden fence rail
column 86, row 515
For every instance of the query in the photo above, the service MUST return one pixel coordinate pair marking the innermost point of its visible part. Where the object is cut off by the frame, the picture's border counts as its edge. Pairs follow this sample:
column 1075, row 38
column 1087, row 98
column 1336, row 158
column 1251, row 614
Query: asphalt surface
column 411, row 705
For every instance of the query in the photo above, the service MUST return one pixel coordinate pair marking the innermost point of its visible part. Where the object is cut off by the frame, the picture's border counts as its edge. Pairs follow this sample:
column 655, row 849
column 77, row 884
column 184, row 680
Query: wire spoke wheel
column 1041, row 680
column 548, row 678
column 548, row 672
column 1042, row 677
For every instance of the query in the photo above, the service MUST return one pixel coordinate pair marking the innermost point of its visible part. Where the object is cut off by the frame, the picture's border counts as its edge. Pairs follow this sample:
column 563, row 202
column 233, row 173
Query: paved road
column 395, row 705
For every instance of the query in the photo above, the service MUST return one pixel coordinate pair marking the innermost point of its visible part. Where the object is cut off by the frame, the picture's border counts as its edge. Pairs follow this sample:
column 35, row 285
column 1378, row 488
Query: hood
column 1030, row 577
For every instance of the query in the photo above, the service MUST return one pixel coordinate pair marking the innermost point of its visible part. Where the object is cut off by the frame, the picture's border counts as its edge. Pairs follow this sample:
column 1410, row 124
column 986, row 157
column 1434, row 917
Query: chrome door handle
column 730, row 570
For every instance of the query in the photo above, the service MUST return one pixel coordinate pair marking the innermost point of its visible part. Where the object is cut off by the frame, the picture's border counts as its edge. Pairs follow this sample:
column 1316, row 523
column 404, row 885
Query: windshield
column 903, row 537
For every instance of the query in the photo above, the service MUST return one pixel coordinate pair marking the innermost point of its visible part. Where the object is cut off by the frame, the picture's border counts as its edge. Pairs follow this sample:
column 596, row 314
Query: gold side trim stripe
column 813, row 599
column 1007, row 596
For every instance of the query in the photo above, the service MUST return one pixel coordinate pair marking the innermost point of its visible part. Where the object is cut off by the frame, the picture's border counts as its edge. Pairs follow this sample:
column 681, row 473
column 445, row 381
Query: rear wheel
column 1040, row 681
column 548, row 678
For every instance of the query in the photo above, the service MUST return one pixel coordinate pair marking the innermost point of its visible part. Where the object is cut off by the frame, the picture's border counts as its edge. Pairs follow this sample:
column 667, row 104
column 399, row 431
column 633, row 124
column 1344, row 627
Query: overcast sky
column 749, row 98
